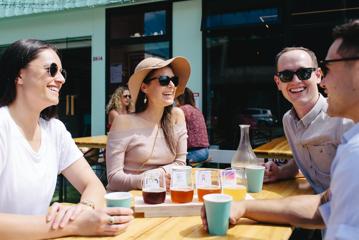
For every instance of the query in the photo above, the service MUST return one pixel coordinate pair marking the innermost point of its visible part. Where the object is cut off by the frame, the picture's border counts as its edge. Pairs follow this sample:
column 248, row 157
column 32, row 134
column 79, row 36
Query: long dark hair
column 166, row 124
column 16, row 57
column 186, row 98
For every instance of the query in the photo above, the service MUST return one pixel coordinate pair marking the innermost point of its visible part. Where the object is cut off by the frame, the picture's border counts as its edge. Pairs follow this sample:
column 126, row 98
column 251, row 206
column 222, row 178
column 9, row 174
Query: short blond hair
column 288, row 49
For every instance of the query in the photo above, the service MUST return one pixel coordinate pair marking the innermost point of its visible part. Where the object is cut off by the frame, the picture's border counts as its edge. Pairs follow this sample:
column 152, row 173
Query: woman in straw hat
column 35, row 147
column 154, row 138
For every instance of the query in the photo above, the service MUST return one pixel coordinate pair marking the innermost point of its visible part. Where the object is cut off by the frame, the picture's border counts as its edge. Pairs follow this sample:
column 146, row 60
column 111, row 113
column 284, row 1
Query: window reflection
column 241, row 89
column 139, row 24
column 232, row 19
column 155, row 23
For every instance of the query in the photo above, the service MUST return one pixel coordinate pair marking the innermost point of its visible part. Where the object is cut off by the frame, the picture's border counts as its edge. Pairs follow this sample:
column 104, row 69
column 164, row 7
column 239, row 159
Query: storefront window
column 241, row 40
column 124, row 58
column 233, row 19
column 241, row 89
column 137, row 24
column 135, row 33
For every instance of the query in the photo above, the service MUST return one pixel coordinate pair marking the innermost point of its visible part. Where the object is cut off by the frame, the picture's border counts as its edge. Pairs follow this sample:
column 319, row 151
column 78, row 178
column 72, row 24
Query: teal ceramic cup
column 118, row 199
column 218, row 207
column 255, row 176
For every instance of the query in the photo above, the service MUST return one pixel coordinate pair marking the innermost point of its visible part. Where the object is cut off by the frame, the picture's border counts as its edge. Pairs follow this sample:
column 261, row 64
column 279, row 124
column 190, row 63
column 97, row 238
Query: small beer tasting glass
column 207, row 181
column 154, row 188
column 181, row 184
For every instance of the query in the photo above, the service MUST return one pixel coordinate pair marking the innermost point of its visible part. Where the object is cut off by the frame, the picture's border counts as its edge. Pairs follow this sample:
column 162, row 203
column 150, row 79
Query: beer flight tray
column 170, row 209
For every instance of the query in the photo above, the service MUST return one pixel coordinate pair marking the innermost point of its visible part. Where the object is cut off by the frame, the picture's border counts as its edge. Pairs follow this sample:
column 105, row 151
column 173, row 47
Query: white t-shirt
column 28, row 178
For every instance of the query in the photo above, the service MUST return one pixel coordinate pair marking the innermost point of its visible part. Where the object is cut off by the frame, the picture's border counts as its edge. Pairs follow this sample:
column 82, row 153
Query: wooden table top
column 92, row 141
column 277, row 148
column 191, row 227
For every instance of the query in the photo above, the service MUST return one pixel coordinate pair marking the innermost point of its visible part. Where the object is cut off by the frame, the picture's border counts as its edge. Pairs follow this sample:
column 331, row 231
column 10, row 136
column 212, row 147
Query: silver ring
column 111, row 220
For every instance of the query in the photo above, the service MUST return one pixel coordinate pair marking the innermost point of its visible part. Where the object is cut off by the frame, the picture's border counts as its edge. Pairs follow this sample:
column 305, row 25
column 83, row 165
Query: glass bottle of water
column 244, row 155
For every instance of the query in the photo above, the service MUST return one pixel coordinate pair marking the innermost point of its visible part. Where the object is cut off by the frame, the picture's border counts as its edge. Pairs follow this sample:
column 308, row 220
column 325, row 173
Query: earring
column 145, row 100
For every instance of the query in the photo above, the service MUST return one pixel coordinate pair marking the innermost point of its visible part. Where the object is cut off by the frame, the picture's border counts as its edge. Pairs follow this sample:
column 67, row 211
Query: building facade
column 231, row 45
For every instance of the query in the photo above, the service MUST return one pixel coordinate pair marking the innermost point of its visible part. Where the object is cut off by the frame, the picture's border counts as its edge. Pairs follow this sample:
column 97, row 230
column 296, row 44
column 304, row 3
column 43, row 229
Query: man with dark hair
column 341, row 81
column 312, row 135
column 336, row 209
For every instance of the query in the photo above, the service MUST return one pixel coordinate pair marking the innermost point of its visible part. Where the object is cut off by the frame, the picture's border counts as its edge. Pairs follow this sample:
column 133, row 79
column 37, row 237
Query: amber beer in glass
column 203, row 191
column 154, row 188
column 207, row 181
column 181, row 195
column 181, row 184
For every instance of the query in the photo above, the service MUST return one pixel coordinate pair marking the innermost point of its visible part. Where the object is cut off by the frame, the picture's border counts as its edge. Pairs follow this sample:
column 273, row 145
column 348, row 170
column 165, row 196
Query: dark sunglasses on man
column 164, row 80
column 324, row 63
column 53, row 69
column 302, row 73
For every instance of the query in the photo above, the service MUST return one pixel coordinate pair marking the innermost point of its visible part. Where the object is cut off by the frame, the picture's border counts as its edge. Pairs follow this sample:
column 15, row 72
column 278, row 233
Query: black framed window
column 240, row 41
column 134, row 33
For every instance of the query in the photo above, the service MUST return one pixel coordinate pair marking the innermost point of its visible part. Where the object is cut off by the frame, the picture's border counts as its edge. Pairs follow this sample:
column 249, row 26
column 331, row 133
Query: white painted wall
column 187, row 39
column 98, row 91
column 68, row 24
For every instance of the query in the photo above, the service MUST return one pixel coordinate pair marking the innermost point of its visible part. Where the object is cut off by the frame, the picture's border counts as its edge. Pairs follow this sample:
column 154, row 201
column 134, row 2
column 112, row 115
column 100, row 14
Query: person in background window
column 35, row 148
column 154, row 137
column 197, row 142
column 313, row 136
column 120, row 103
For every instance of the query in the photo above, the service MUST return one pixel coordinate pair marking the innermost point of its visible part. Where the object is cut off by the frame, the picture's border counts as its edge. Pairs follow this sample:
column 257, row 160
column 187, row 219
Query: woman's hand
column 105, row 221
column 60, row 214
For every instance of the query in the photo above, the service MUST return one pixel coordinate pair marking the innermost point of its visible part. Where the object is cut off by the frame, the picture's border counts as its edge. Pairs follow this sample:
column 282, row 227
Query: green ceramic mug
column 118, row 199
column 217, row 208
column 255, row 174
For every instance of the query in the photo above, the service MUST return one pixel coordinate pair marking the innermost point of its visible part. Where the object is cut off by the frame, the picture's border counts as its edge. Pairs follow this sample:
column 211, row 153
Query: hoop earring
column 145, row 100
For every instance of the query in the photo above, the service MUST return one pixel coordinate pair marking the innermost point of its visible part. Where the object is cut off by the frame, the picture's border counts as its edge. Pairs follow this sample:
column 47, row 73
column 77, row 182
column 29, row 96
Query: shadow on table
column 197, row 231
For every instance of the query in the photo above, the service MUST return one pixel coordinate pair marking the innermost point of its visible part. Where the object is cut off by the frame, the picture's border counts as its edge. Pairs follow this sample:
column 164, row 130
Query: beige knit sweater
column 128, row 155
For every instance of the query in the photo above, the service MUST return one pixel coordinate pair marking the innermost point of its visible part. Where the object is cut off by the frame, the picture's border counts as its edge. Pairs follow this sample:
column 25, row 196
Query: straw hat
column 179, row 65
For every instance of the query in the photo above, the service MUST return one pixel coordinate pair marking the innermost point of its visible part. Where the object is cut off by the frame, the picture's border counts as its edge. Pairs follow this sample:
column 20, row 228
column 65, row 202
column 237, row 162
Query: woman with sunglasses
column 35, row 147
column 120, row 103
column 154, row 138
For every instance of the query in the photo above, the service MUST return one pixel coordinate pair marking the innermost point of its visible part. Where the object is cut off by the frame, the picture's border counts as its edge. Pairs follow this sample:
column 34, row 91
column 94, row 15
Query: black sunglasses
column 302, row 73
column 127, row 96
column 53, row 69
column 164, row 80
column 324, row 63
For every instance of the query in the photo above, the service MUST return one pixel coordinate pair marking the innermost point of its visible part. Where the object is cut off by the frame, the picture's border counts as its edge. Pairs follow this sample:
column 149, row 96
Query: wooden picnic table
column 191, row 227
column 92, row 141
column 277, row 148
